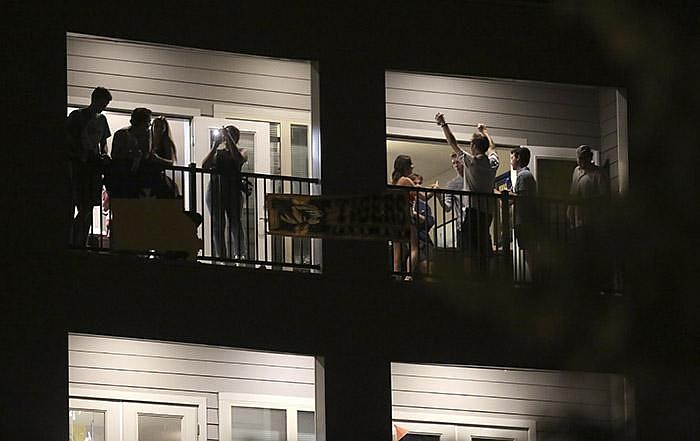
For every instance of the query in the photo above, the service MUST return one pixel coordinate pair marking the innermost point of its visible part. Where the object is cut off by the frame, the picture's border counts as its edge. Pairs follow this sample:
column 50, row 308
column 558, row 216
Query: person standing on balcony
column 87, row 133
column 525, row 209
column 452, row 201
column 590, row 188
column 588, row 183
column 403, row 169
column 163, row 154
column 224, row 196
column 479, row 177
column 130, row 148
column 425, row 221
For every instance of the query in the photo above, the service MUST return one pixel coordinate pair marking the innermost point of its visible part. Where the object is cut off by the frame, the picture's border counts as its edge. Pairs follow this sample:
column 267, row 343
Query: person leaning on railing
column 162, row 154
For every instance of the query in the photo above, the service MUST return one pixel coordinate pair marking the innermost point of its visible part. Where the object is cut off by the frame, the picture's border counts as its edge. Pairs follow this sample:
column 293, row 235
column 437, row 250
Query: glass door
column 159, row 422
column 94, row 420
column 255, row 138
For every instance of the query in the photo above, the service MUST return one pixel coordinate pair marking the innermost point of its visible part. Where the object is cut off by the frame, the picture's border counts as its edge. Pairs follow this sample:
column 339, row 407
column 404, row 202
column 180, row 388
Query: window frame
column 291, row 405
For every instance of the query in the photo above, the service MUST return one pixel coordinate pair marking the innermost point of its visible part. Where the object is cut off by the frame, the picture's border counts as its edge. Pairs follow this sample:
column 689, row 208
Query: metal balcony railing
column 231, row 218
column 458, row 234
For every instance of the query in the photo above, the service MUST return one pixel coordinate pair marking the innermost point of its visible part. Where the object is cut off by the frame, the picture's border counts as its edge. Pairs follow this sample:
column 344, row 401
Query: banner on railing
column 384, row 216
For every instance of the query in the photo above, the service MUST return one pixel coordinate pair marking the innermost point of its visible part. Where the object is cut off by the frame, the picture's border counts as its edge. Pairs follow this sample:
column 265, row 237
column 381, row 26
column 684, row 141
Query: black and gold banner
column 381, row 217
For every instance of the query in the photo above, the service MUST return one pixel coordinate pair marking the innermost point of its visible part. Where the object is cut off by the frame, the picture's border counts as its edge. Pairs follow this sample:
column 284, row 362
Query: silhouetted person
column 403, row 169
column 425, row 221
column 130, row 146
column 590, row 189
column 87, row 131
column 162, row 154
column 224, row 196
column 479, row 177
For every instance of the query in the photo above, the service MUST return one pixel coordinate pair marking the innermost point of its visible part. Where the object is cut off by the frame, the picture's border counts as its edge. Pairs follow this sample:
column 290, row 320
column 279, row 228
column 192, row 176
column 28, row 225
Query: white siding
column 184, row 77
column 558, row 402
column 609, row 134
column 542, row 113
column 121, row 364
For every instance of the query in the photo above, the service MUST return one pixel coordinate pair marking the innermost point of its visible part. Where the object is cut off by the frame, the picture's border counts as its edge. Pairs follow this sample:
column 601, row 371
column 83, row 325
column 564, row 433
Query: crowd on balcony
column 474, row 205
column 135, row 168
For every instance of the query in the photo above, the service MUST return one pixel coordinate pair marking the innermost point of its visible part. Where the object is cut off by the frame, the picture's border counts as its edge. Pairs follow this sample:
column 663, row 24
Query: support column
column 348, row 123
column 353, row 398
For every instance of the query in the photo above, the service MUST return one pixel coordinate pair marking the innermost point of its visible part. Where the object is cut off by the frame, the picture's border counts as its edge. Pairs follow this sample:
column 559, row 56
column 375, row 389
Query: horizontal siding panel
column 400, row 127
column 585, row 380
column 502, row 405
column 178, row 56
column 205, row 107
column 607, row 95
column 184, row 382
column 212, row 416
column 211, row 397
column 518, row 90
column 189, row 367
column 503, row 390
column 447, row 102
column 191, row 91
column 127, row 346
column 609, row 141
column 608, row 126
column 189, row 75
column 608, row 111
column 524, row 123
column 213, row 431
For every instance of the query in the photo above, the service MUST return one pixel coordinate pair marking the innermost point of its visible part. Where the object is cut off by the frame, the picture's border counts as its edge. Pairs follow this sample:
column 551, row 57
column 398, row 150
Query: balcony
column 499, row 237
column 198, row 223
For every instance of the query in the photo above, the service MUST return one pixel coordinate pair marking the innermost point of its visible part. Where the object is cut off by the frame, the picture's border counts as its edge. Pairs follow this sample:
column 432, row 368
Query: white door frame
column 542, row 152
column 291, row 405
column 128, row 395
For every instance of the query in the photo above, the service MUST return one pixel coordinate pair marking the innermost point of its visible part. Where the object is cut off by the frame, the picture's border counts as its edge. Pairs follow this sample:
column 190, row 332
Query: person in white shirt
column 478, row 179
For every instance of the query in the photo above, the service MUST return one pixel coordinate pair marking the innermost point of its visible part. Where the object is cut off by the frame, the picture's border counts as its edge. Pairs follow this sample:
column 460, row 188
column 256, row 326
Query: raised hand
column 440, row 119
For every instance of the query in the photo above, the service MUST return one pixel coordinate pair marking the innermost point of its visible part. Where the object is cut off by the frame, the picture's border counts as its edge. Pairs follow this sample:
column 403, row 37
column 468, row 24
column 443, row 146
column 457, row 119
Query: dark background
column 353, row 315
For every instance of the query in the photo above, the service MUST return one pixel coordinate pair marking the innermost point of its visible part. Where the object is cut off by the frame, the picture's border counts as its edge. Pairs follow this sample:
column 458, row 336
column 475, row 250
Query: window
column 258, row 417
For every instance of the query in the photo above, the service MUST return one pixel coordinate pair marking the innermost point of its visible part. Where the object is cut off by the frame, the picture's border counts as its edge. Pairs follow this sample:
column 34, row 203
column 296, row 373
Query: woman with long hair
column 162, row 145
column 162, row 154
column 403, row 168
column 225, row 193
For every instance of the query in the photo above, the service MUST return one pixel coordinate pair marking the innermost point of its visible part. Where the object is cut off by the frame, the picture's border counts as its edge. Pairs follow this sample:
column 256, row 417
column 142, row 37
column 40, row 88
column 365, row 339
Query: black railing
column 231, row 218
column 458, row 234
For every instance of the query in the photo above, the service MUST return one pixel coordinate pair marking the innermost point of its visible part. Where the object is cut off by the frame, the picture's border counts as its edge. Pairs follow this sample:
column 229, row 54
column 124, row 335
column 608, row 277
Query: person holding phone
column 224, row 196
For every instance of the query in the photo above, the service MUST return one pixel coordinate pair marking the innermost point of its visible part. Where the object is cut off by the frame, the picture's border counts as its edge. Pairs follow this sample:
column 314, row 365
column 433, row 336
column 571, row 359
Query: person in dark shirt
column 424, row 223
column 131, row 146
column 162, row 154
column 87, row 133
column 224, row 196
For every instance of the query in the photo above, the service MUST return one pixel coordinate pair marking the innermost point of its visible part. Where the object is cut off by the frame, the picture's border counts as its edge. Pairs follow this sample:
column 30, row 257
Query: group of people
column 475, row 172
column 135, row 168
